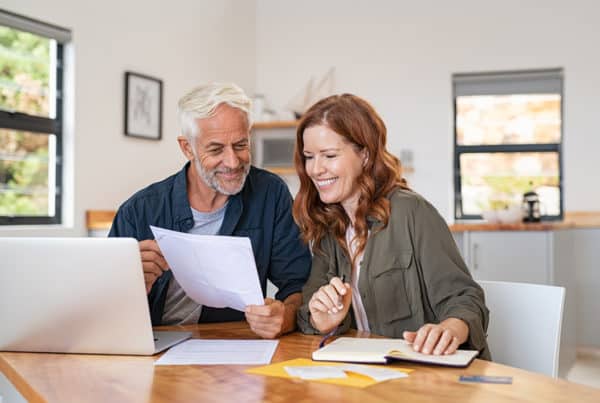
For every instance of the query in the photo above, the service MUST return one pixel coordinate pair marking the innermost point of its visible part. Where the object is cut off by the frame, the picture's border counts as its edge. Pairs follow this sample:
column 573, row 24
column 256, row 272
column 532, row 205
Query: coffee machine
column 531, row 207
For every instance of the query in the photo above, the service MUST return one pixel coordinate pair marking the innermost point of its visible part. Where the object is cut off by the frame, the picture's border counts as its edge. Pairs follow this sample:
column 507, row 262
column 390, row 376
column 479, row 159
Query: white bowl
column 512, row 214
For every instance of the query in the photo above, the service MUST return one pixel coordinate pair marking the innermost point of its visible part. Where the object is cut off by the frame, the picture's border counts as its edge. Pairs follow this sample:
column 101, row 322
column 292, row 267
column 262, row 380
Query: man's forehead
column 222, row 138
column 227, row 120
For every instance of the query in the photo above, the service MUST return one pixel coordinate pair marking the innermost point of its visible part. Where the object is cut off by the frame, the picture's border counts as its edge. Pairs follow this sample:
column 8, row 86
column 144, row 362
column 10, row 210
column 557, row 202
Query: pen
column 327, row 337
column 340, row 304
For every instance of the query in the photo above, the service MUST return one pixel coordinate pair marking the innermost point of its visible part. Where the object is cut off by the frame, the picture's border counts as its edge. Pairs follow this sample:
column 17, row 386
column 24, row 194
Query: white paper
column 378, row 374
column 213, row 270
column 220, row 352
column 316, row 372
column 338, row 371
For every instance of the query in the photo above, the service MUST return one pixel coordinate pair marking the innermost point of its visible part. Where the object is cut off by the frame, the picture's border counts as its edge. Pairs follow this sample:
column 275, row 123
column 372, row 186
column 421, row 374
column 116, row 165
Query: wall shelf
column 282, row 170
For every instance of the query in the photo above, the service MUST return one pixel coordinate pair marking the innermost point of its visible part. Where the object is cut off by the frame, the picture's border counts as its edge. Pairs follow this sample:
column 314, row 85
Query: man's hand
column 274, row 318
column 153, row 262
column 439, row 339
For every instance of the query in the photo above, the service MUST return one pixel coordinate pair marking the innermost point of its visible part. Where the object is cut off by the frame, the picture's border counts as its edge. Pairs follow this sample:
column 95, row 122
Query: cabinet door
column 520, row 256
column 459, row 238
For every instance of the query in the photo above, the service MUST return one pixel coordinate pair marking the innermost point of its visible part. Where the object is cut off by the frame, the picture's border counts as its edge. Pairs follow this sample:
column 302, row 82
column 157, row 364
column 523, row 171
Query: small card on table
column 485, row 379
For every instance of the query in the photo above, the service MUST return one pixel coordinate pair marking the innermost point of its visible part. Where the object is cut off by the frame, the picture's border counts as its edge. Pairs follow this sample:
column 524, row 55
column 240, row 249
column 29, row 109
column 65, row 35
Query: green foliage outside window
column 24, row 87
column 24, row 72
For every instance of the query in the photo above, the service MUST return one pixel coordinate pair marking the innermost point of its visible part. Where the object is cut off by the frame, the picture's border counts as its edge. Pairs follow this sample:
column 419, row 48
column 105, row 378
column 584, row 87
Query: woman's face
column 333, row 164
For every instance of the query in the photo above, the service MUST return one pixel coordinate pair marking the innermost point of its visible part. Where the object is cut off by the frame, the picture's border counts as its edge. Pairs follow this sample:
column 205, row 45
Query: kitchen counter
column 572, row 220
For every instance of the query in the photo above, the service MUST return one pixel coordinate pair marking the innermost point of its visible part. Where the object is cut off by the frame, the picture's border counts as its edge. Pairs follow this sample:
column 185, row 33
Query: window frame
column 41, row 125
column 506, row 148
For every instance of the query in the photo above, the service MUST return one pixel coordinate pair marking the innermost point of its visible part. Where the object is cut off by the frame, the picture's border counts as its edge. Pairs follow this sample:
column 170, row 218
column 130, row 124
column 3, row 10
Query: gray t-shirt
column 179, row 308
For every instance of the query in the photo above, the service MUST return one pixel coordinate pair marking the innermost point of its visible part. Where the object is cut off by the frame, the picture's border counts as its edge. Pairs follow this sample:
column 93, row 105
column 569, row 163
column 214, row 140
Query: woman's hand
column 329, row 305
column 439, row 339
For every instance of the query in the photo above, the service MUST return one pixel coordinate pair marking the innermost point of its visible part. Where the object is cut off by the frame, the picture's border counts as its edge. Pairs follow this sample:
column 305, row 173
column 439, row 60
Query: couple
column 383, row 259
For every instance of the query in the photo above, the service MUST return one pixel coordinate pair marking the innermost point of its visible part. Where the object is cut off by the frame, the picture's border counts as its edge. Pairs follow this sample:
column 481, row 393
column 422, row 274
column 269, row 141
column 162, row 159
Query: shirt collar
column 181, row 204
column 183, row 210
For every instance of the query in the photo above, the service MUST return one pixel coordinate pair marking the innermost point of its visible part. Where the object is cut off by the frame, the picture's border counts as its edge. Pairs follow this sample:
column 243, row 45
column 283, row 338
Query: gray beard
column 210, row 178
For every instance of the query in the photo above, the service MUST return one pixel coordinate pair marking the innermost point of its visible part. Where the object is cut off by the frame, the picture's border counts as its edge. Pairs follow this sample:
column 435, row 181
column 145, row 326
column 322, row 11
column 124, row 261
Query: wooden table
column 90, row 378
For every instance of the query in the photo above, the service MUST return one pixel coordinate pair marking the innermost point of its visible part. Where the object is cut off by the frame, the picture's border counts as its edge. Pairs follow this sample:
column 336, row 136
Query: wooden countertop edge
column 275, row 124
column 573, row 220
column 102, row 219
column 19, row 383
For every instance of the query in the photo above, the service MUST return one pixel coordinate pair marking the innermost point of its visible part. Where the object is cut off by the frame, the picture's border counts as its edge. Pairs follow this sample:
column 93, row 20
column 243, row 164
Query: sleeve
column 122, row 225
column 451, row 290
column 323, row 269
column 290, row 257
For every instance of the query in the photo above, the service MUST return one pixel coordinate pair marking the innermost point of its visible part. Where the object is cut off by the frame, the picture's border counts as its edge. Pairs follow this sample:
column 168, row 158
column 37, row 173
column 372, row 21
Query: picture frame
column 143, row 106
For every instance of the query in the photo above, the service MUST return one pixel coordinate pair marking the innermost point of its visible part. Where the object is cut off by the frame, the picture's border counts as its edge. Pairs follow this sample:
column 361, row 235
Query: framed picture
column 143, row 106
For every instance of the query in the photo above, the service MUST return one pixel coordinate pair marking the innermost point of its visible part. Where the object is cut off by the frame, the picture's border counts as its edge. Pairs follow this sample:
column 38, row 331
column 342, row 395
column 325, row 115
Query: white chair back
column 525, row 324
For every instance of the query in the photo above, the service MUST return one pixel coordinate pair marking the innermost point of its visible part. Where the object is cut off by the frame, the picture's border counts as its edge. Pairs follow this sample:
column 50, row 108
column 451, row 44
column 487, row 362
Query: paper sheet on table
column 313, row 372
column 213, row 270
column 220, row 352
column 353, row 379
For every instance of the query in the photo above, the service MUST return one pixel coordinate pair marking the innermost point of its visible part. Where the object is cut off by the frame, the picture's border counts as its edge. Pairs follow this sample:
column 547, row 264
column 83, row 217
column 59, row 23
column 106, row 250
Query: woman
column 404, row 275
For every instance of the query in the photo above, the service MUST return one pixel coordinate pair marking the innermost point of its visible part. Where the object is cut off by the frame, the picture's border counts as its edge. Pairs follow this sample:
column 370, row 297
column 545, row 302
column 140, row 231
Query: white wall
column 400, row 56
column 184, row 43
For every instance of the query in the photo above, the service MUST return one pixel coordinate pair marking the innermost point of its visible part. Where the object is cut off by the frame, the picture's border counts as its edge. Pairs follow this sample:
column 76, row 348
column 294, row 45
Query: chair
column 525, row 324
column 98, row 222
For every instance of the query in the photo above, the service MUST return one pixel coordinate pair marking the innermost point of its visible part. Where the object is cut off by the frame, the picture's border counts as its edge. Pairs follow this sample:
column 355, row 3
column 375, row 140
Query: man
column 218, row 192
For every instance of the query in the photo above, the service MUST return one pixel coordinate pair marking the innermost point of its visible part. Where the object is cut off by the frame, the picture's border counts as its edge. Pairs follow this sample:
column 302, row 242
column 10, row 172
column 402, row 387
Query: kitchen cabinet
column 585, row 262
column 520, row 256
column 273, row 150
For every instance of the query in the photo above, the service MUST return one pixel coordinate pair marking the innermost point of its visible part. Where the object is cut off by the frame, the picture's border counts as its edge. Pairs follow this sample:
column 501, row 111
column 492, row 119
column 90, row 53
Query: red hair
column 359, row 124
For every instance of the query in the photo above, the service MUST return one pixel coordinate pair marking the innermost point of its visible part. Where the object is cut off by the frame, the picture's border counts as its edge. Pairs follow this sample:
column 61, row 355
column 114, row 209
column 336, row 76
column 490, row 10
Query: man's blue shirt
column 260, row 211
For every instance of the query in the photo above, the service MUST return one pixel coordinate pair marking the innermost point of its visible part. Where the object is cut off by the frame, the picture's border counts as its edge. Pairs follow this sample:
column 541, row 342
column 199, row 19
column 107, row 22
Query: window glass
column 508, row 119
column 27, row 173
column 26, row 73
column 491, row 181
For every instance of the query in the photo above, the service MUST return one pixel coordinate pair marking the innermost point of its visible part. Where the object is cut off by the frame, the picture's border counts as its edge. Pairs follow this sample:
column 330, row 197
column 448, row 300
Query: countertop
column 572, row 220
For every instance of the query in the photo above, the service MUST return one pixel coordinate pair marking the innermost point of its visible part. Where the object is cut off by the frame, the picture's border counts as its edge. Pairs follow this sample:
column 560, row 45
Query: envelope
column 353, row 379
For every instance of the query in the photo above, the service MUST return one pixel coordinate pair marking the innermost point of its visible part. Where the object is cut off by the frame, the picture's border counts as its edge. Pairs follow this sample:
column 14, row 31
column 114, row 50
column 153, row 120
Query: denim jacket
column 260, row 211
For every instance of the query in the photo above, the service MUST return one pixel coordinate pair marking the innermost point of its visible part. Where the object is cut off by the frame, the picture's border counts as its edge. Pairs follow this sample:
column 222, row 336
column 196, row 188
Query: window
column 508, row 137
column 31, row 120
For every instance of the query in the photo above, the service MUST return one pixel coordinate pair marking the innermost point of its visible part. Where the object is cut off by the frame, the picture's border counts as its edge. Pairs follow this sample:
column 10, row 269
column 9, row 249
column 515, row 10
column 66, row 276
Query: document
column 220, row 352
column 349, row 349
column 312, row 372
column 359, row 376
column 378, row 374
column 213, row 270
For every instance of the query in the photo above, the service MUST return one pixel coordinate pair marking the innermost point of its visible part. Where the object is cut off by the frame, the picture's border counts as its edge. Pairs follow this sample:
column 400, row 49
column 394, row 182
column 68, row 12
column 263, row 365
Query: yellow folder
column 352, row 379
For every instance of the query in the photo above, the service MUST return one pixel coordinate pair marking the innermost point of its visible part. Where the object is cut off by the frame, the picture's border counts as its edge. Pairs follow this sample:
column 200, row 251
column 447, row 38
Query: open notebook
column 382, row 351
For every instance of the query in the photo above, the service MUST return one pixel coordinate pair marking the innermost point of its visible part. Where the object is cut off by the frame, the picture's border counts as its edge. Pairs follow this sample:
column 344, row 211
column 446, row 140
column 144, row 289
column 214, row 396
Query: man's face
column 222, row 150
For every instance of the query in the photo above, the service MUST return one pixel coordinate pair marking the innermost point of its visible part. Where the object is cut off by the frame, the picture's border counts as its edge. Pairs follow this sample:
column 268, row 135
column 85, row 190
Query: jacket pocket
column 389, row 287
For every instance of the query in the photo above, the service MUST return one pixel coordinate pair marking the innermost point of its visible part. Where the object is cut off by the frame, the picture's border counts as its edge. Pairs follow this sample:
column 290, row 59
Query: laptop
column 76, row 295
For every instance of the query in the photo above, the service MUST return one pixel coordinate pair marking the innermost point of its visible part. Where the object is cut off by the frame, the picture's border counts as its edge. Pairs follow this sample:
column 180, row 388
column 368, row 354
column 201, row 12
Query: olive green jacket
column 411, row 274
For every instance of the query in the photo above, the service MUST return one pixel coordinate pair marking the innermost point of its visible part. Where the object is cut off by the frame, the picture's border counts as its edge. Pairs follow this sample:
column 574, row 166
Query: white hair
column 201, row 103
